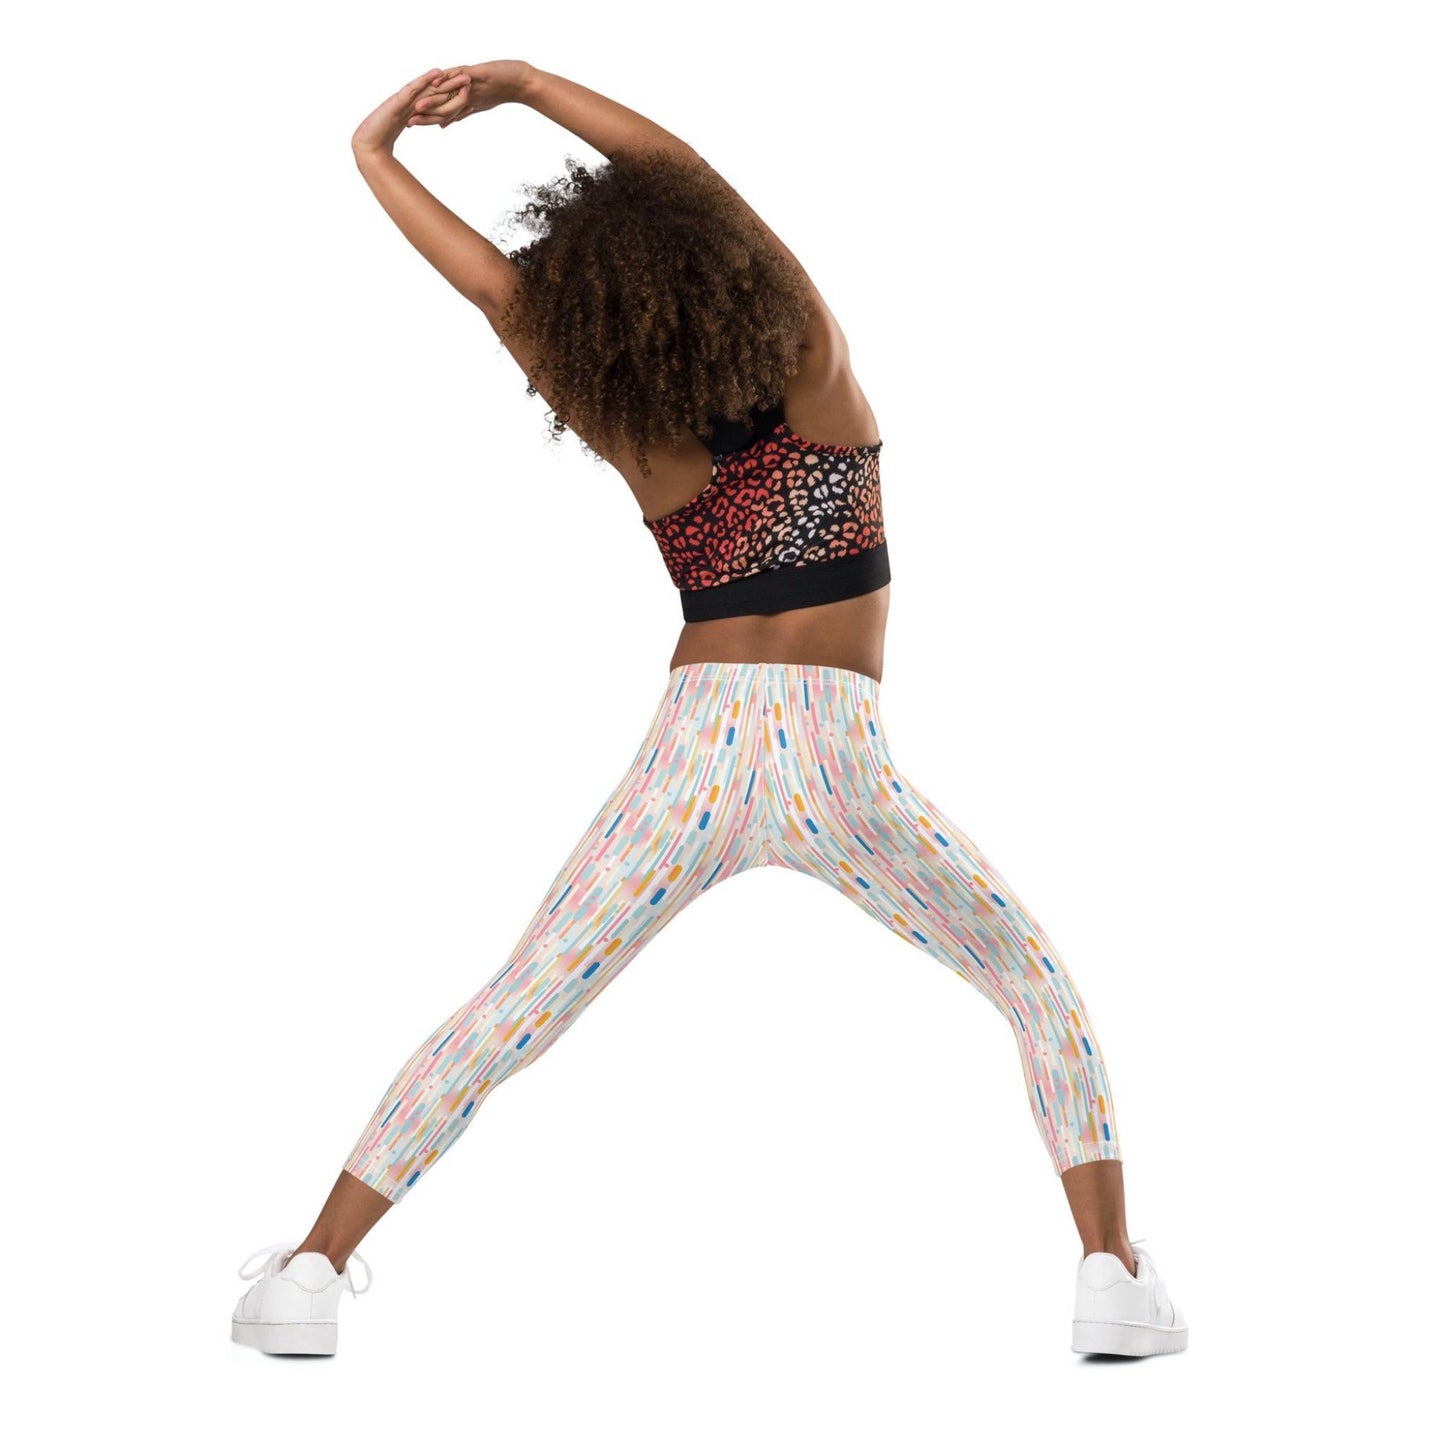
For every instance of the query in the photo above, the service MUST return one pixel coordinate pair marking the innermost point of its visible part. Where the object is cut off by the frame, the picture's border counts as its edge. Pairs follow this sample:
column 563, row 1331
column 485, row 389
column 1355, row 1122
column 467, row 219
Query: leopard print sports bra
column 784, row 523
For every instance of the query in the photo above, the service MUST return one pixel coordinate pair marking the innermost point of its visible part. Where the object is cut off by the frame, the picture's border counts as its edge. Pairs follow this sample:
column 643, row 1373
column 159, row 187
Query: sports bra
column 784, row 523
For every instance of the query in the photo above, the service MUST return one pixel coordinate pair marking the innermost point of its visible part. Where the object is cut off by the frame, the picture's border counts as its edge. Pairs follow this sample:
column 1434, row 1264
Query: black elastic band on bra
column 783, row 588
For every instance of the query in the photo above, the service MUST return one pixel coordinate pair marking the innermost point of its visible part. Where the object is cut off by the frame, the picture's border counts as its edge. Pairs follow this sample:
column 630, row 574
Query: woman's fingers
column 415, row 87
column 439, row 98
column 448, row 89
column 442, row 110
column 447, row 98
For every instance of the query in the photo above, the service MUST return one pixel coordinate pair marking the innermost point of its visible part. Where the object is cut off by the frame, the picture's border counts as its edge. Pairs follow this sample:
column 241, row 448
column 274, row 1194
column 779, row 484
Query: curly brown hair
column 652, row 300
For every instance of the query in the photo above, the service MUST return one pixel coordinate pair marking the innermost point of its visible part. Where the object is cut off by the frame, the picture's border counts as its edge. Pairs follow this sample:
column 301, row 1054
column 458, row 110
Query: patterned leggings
column 746, row 764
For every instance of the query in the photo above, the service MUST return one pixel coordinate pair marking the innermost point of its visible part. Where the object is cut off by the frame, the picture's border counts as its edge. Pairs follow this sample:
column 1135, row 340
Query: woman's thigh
column 673, row 827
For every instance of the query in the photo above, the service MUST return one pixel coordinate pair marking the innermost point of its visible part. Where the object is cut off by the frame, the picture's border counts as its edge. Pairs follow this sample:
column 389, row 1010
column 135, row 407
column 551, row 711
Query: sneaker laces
column 270, row 1252
column 265, row 1254
column 1158, row 1294
column 1139, row 1255
column 346, row 1274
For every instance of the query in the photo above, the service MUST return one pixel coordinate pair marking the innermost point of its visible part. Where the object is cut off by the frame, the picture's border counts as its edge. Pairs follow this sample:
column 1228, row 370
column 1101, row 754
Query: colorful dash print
column 747, row 764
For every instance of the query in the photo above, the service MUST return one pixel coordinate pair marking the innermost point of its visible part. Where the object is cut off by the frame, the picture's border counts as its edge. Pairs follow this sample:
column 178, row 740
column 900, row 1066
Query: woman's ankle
column 1119, row 1248
column 335, row 1253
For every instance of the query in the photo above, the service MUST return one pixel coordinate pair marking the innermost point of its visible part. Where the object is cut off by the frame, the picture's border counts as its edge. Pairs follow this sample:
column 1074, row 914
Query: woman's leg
column 842, row 811
column 1096, row 1196
column 683, row 818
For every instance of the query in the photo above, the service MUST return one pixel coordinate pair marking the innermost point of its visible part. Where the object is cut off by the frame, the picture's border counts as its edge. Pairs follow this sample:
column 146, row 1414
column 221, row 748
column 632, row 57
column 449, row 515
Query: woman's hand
column 466, row 89
column 378, row 132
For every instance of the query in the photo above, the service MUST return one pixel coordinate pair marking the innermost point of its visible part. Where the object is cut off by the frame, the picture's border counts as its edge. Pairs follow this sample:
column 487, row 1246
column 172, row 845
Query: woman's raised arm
column 463, row 255
column 606, row 125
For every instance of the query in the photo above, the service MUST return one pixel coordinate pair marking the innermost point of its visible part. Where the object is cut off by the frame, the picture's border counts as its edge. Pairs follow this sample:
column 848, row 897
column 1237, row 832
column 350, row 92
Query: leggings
column 747, row 764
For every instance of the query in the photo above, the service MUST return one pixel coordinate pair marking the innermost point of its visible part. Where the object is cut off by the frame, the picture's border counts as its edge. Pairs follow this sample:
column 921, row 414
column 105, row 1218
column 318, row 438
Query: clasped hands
column 440, row 97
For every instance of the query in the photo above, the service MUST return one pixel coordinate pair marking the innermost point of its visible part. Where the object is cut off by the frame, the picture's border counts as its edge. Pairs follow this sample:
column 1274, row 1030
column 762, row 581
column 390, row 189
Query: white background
column 316, row 659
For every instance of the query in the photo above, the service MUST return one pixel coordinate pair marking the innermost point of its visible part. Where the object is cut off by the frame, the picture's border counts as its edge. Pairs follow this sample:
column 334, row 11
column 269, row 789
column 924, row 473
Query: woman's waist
column 847, row 634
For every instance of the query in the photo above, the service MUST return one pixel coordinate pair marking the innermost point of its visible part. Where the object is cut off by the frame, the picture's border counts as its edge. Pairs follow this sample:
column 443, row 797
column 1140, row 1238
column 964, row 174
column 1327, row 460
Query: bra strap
column 724, row 436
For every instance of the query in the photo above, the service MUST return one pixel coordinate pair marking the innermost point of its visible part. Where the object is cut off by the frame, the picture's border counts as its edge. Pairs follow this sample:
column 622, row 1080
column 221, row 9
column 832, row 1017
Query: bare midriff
column 847, row 634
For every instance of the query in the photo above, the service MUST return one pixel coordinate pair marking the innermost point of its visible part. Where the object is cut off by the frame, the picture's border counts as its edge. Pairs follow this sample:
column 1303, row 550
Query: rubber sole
column 1106, row 1337
column 305, row 1337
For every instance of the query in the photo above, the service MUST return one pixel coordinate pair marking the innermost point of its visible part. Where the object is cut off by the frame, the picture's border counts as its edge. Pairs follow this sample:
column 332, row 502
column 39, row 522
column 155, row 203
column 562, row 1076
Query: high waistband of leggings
column 815, row 674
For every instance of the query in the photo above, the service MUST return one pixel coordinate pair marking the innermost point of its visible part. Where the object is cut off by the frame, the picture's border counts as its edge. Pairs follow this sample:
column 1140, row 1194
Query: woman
column 664, row 323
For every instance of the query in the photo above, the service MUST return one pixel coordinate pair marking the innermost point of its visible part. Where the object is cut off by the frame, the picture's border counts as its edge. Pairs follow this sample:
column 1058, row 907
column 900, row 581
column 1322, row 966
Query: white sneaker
column 291, row 1309
column 1118, row 1313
